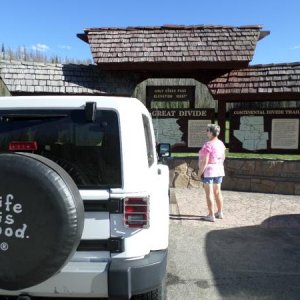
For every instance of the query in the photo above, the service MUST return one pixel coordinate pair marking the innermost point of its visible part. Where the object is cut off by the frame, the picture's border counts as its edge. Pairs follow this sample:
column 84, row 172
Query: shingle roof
column 176, row 44
column 45, row 78
column 259, row 79
column 48, row 78
column 39, row 78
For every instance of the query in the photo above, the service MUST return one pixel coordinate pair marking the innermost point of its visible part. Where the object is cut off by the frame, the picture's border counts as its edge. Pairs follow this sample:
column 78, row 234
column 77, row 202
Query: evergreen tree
column 2, row 54
column 23, row 53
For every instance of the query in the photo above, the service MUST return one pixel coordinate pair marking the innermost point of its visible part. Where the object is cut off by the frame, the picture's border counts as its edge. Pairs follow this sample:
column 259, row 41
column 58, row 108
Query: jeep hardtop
column 84, row 208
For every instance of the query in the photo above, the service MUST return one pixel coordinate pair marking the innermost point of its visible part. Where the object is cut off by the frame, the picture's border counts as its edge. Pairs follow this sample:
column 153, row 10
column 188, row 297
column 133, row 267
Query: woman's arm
column 203, row 164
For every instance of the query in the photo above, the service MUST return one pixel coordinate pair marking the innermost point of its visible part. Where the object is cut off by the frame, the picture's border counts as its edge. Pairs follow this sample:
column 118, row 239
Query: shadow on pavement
column 185, row 217
column 257, row 261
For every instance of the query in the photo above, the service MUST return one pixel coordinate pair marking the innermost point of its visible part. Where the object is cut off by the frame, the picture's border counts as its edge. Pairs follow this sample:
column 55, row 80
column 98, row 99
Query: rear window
column 88, row 151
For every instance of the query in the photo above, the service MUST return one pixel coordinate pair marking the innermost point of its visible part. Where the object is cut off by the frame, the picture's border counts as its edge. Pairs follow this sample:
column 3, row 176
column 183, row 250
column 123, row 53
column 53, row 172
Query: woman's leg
column 208, row 188
column 218, row 196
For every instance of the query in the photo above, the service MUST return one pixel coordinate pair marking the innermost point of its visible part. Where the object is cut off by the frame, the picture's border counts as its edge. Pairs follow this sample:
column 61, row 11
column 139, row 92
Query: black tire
column 157, row 294
column 41, row 219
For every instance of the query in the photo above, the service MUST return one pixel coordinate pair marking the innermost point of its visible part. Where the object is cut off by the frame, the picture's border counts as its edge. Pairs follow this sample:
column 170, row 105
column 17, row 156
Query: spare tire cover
column 41, row 219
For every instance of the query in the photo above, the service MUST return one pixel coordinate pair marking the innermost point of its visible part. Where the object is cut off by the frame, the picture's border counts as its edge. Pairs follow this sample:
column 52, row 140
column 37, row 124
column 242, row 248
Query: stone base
column 247, row 175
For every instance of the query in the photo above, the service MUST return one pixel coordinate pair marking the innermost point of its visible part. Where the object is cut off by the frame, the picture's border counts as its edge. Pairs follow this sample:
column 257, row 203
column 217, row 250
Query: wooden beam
column 222, row 118
column 257, row 97
column 169, row 67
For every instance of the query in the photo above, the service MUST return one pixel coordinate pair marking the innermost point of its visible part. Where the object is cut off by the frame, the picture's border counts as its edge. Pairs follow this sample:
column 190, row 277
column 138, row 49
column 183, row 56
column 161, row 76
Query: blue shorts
column 212, row 180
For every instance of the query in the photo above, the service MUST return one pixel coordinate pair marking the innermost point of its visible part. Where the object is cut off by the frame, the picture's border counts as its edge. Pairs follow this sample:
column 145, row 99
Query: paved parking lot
column 254, row 253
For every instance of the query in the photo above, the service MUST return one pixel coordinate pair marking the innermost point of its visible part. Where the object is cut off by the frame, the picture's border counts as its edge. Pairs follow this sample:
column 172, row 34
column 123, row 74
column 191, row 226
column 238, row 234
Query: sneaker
column 209, row 218
column 219, row 215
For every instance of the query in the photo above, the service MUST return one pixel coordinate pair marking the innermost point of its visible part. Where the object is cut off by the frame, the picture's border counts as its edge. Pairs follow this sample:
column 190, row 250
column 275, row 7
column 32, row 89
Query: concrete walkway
column 253, row 253
column 240, row 209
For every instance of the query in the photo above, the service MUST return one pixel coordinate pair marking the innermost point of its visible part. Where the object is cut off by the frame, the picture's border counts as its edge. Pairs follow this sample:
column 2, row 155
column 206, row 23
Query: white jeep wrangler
column 84, row 208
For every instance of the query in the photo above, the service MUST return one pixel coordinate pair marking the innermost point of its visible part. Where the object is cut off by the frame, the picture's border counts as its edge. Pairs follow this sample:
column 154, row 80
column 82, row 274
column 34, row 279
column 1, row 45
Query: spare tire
column 41, row 219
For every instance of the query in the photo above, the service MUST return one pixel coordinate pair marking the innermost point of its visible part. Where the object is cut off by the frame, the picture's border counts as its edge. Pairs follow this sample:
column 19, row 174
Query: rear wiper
column 8, row 117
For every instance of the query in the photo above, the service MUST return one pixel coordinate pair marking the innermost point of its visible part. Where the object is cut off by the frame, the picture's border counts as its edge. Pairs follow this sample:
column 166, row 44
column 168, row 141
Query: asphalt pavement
column 253, row 253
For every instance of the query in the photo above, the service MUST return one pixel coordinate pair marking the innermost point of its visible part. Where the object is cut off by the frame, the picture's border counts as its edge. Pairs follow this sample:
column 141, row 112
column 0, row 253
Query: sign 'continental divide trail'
column 265, row 130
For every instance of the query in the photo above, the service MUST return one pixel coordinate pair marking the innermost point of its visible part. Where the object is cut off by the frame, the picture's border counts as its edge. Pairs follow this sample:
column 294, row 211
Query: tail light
column 136, row 212
column 22, row 146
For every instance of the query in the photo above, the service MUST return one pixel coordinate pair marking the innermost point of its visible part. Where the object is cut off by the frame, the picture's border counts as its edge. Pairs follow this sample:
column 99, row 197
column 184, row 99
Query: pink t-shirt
column 216, row 152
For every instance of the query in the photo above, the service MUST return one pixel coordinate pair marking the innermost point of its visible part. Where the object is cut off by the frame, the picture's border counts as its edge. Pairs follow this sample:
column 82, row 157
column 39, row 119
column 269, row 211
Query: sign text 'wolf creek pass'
column 171, row 93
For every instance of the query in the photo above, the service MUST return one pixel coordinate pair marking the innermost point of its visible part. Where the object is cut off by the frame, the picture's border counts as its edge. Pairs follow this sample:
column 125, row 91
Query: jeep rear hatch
column 88, row 150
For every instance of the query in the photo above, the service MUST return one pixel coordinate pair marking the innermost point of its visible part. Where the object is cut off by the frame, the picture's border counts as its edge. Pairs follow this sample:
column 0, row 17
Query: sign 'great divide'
column 175, row 118
column 181, row 113
column 184, row 129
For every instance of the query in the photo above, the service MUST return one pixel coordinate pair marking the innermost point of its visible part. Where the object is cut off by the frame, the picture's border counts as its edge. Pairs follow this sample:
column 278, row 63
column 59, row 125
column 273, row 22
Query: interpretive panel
column 251, row 133
column 197, row 133
column 285, row 134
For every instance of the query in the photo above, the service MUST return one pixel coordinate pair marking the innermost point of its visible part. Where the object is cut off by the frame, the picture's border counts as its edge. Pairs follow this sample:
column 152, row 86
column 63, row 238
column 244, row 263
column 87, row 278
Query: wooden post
column 3, row 89
column 222, row 118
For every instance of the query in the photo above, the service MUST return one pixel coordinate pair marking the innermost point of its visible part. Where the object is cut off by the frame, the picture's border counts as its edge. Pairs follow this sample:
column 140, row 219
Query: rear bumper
column 76, row 279
column 127, row 278
column 119, row 279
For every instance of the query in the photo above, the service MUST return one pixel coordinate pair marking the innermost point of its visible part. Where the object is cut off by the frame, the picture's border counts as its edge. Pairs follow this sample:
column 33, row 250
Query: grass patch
column 264, row 156
column 247, row 155
column 179, row 154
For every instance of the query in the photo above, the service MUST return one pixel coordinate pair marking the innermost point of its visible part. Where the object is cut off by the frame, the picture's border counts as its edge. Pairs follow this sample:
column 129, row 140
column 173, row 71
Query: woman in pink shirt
column 211, row 168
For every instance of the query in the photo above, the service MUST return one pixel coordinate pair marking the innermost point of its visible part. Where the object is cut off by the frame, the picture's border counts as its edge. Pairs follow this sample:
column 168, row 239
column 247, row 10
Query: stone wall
column 248, row 175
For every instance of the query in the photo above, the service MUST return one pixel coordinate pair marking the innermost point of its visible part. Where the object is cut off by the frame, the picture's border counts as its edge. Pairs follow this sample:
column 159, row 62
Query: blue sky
column 51, row 26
